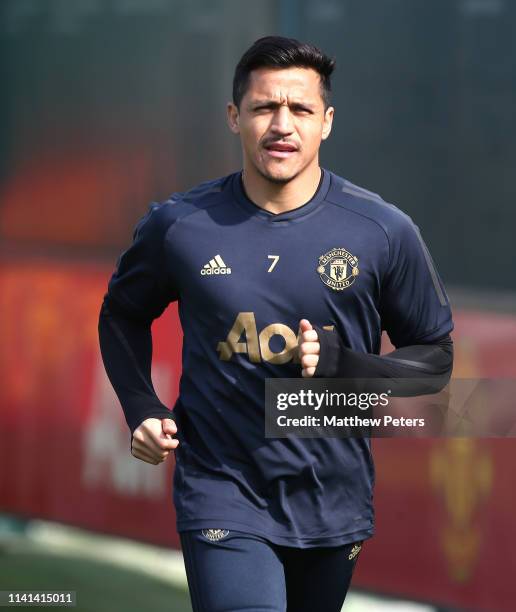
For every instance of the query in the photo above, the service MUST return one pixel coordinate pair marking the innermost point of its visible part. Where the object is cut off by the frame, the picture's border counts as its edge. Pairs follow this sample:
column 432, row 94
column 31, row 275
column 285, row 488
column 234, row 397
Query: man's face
column 281, row 121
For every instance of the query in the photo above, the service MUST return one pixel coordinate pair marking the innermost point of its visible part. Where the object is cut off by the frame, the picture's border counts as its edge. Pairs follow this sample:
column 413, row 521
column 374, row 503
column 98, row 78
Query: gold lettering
column 245, row 322
column 290, row 343
column 258, row 346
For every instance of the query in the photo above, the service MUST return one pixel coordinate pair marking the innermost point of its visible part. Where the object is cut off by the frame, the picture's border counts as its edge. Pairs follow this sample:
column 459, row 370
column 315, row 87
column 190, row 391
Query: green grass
column 99, row 587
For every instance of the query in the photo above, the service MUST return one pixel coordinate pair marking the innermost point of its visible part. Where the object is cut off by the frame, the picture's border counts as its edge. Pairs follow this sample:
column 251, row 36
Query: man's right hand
column 152, row 440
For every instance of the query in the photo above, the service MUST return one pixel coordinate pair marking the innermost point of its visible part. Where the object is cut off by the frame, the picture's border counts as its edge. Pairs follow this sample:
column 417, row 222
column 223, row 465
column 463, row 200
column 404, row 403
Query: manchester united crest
column 214, row 535
column 338, row 268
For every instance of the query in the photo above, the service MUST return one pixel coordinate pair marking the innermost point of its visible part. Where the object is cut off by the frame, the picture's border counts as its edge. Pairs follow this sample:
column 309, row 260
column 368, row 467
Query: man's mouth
column 280, row 149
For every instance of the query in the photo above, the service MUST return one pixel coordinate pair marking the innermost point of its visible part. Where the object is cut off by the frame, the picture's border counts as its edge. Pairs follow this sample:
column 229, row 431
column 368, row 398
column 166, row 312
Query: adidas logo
column 215, row 266
column 354, row 551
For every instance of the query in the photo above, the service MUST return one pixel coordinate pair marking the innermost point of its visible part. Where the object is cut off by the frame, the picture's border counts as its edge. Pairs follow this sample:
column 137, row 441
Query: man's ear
column 233, row 117
column 328, row 122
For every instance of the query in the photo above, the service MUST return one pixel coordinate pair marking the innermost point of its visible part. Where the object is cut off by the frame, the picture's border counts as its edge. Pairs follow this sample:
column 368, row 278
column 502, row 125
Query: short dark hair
column 281, row 52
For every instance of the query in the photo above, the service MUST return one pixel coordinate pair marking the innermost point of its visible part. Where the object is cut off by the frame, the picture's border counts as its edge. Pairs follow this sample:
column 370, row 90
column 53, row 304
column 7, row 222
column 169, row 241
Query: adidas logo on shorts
column 215, row 266
column 354, row 551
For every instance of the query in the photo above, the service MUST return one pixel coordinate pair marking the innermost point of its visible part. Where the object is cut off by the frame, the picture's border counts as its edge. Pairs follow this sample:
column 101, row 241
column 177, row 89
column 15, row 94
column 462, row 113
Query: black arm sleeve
column 126, row 348
column 139, row 291
column 432, row 362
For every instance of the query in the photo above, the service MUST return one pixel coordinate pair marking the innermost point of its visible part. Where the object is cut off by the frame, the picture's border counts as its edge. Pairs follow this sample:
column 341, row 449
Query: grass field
column 100, row 587
column 107, row 574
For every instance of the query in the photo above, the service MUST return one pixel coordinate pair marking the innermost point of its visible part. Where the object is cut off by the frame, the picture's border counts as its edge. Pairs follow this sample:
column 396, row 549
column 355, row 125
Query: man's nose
column 282, row 121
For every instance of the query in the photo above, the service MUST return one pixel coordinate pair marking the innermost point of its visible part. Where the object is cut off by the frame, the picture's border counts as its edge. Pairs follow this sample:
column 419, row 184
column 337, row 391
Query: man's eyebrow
column 266, row 102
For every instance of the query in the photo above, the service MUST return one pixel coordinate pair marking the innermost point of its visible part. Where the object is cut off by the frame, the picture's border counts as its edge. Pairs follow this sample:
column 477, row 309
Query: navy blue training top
column 243, row 278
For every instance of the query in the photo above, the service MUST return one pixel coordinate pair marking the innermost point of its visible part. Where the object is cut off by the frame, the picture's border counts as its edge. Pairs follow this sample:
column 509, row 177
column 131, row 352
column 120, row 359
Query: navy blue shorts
column 229, row 571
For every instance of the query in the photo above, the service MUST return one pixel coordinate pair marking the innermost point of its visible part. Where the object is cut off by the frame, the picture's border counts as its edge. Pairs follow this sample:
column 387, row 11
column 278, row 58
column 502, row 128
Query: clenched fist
column 309, row 348
column 152, row 440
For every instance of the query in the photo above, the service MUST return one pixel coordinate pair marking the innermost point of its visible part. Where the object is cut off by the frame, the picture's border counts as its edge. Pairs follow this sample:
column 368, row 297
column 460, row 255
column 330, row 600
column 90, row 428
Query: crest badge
column 214, row 535
column 338, row 268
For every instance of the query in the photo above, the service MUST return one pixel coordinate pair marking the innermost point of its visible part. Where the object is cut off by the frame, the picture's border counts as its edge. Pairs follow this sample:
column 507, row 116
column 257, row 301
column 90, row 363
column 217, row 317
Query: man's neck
column 281, row 197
